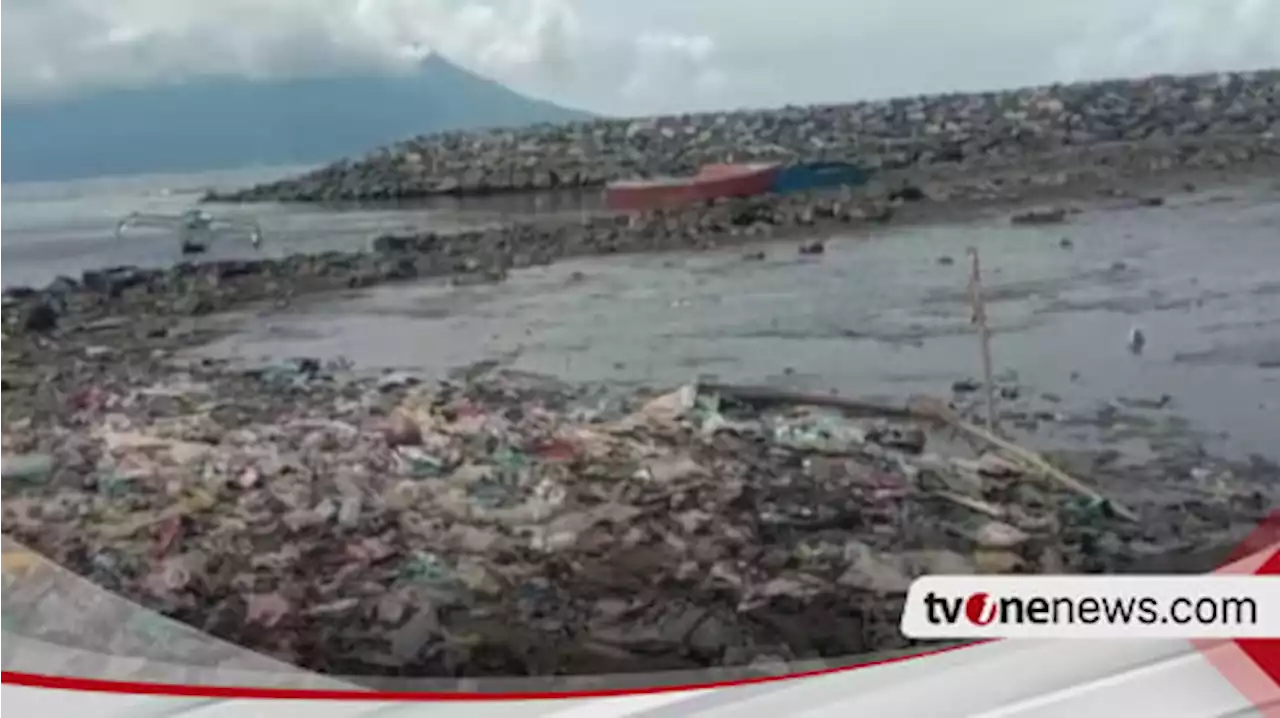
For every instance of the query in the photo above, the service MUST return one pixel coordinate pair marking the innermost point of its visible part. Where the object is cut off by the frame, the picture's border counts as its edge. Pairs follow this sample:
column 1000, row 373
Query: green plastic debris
column 707, row 404
column 420, row 463
column 818, row 433
column 509, row 458
column 426, row 567
column 113, row 485
column 1085, row 509
column 490, row 493
column 27, row 469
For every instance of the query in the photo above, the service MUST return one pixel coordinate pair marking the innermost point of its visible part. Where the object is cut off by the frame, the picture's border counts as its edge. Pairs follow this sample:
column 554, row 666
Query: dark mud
column 875, row 314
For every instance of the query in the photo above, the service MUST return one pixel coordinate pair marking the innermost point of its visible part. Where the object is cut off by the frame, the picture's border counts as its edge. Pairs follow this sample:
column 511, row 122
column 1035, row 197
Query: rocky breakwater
column 928, row 131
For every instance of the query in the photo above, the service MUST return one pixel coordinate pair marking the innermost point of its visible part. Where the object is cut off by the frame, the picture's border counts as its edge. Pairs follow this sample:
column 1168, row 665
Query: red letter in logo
column 979, row 609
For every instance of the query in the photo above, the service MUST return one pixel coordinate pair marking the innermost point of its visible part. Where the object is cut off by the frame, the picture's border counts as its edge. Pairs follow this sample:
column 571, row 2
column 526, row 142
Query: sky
column 646, row 57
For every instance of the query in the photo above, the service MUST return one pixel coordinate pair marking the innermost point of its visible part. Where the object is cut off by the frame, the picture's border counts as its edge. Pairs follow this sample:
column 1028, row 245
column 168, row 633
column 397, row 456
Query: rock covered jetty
column 902, row 133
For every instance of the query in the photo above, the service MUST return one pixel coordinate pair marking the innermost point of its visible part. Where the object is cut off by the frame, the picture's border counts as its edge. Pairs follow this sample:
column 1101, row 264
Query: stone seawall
column 911, row 132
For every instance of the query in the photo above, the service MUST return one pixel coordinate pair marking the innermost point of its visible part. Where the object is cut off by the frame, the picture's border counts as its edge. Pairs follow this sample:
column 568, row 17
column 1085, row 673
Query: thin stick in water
column 984, row 333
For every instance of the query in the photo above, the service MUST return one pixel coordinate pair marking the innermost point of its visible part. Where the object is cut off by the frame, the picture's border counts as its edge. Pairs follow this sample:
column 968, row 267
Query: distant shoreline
column 951, row 195
column 229, row 176
column 224, row 121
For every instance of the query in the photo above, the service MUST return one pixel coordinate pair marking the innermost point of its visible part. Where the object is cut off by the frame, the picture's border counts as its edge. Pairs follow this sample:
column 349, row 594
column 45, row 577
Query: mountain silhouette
column 226, row 123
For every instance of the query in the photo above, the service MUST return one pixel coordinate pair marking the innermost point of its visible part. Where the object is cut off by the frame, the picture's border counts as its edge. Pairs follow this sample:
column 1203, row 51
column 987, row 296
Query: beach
column 498, row 438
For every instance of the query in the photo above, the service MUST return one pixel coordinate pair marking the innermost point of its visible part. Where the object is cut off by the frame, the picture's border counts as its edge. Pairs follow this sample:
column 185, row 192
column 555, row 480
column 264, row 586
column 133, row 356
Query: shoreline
column 1090, row 177
column 140, row 317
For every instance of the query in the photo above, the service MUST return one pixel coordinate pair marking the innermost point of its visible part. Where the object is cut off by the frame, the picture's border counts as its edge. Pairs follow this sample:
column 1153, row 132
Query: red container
column 711, row 182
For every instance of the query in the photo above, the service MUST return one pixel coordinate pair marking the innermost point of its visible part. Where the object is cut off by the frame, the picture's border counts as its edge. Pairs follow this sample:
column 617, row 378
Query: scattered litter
column 266, row 610
column 1041, row 215
column 397, row 380
column 1030, row 458
column 29, row 468
column 997, row 561
column 457, row 523
column 997, row 535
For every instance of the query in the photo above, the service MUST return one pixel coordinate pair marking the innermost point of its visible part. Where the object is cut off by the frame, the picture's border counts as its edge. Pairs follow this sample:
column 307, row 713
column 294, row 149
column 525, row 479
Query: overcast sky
column 618, row 56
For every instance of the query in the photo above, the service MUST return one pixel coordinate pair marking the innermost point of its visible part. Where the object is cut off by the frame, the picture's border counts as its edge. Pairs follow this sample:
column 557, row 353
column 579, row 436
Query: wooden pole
column 984, row 333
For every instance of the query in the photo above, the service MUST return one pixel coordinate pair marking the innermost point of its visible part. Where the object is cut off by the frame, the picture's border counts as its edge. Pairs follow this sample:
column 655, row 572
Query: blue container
column 818, row 175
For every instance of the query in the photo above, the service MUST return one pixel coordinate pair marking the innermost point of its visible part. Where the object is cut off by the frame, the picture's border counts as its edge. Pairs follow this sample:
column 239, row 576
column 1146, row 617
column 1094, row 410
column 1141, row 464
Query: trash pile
column 502, row 525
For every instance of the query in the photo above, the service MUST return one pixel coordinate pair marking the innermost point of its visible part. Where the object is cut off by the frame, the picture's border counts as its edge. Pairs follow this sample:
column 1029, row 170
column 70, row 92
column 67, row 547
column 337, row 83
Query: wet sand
column 877, row 315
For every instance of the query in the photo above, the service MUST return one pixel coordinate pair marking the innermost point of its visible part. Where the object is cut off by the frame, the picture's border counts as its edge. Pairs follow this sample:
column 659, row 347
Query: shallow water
column 874, row 316
column 64, row 228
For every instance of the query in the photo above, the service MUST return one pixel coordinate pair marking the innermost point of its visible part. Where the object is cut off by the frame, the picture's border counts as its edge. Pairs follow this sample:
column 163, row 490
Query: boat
column 194, row 227
column 808, row 176
column 713, row 181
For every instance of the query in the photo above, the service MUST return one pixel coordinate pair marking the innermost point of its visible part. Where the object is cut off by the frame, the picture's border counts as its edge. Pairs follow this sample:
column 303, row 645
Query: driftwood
column 920, row 408
column 763, row 395
column 976, row 505
column 943, row 413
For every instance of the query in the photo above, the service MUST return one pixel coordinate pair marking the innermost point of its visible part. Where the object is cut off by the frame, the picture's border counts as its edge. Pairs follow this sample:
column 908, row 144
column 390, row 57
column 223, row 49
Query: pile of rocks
column 899, row 133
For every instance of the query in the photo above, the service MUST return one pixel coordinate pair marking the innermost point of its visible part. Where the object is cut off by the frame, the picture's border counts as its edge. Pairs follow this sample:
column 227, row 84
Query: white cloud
column 1149, row 36
column 537, row 45
column 665, row 60
column 659, row 55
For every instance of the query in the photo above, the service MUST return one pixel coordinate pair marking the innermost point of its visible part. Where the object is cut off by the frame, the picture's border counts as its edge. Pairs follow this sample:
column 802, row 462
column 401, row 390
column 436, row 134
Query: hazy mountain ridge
column 222, row 122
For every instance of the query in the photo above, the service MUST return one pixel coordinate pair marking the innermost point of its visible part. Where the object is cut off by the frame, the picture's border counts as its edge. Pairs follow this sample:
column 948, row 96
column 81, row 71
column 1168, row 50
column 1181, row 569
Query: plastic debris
column 819, row 432
column 997, row 535
column 29, row 468
column 502, row 512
